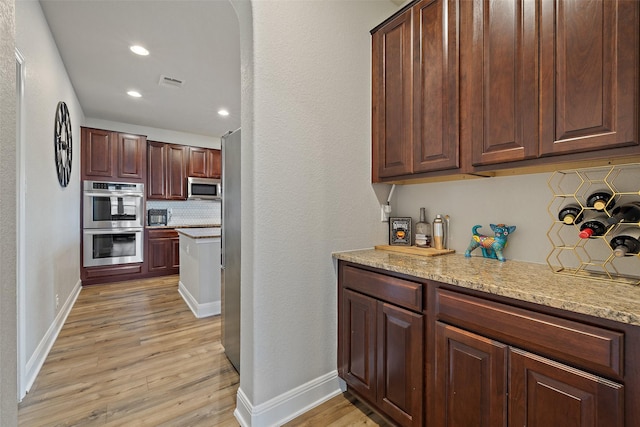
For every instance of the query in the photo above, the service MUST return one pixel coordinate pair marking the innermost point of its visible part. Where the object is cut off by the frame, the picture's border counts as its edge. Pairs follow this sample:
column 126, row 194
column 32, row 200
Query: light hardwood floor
column 133, row 354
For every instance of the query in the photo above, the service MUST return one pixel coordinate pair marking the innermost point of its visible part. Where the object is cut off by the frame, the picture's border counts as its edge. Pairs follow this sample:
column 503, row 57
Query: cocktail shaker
column 439, row 231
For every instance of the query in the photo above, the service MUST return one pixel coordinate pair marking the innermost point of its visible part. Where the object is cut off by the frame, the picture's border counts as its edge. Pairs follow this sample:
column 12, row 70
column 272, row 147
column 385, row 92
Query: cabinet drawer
column 590, row 347
column 391, row 289
column 162, row 233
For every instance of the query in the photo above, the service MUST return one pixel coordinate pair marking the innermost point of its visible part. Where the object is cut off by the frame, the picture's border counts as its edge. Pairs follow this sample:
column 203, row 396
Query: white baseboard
column 289, row 405
column 199, row 310
column 44, row 347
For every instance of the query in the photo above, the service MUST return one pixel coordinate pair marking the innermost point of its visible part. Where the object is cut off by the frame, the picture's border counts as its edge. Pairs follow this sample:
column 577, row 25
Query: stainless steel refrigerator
column 230, row 274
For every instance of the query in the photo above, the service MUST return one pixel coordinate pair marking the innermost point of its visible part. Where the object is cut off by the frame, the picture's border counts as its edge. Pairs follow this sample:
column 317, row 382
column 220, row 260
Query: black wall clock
column 62, row 143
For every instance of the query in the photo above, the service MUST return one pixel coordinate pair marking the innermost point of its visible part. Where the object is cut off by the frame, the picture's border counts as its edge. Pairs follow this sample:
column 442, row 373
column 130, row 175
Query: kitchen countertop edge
column 524, row 281
column 200, row 233
column 161, row 227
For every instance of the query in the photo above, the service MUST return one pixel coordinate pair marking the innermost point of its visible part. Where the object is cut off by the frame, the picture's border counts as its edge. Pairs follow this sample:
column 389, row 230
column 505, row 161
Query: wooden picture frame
column 400, row 231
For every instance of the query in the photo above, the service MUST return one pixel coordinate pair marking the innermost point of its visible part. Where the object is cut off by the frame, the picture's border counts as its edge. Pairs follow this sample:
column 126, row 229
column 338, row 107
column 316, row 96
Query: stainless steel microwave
column 204, row 188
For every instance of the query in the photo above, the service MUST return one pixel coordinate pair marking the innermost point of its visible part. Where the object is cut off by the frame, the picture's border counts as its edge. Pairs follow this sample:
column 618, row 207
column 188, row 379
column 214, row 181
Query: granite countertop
column 523, row 281
column 183, row 226
column 200, row 233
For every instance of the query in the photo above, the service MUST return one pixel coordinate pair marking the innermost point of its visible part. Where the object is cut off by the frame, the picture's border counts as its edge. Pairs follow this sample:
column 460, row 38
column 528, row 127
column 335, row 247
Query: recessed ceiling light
column 134, row 93
column 139, row 50
column 223, row 112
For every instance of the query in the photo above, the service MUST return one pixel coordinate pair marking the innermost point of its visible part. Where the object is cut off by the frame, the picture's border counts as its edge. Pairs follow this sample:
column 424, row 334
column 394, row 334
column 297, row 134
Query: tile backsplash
column 189, row 212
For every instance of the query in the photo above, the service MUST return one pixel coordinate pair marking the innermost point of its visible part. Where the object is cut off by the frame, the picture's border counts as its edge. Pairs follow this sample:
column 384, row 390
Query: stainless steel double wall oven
column 113, row 223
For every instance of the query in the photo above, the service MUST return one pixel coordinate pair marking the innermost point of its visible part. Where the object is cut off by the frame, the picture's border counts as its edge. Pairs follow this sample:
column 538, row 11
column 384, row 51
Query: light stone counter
column 200, row 233
column 523, row 281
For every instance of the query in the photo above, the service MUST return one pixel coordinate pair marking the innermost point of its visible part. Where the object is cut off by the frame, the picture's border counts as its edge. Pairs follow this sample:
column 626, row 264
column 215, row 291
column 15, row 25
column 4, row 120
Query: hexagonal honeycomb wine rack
column 592, row 258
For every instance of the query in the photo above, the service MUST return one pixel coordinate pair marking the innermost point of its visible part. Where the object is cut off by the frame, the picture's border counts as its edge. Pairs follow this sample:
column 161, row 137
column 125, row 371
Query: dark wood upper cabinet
column 436, row 143
column 97, row 148
column 392, row 98
column 215, row 163
column 501, row 49
column 204, row 162
column 108, row 155
column 167, row 171
column 198, row 162
column 156, row 170
column 177, row 171
column 476, row 86
column 131, row 156
column 589, row 72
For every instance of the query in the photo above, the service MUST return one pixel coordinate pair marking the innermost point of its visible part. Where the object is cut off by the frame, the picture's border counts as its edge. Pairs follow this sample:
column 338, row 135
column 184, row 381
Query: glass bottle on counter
column 423, row 231
column 626, row 242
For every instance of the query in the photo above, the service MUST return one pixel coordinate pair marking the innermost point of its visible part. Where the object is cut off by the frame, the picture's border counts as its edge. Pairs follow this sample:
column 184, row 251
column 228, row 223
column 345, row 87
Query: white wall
column 52, row 212
column 155, row 134
column 8, row 346
column 306, row 187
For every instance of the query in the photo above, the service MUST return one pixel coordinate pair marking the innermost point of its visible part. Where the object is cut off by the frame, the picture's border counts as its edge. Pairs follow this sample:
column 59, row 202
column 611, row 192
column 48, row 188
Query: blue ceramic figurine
column 491, row 246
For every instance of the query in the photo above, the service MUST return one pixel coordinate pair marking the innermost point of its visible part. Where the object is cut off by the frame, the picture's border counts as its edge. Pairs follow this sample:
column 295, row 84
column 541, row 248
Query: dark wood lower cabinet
column 163, row 252
column 399, row 368
column 471, row 379
column 546, row 393
column 359, row 334
column 381, row 347
column 423, row 353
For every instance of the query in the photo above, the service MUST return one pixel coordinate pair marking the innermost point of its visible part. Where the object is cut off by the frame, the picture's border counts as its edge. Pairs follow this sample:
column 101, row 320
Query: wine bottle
column 423, row 231
column 626, row 242
column 571, row 214
column 601, row 199
column 594, row 227
column 629, row 212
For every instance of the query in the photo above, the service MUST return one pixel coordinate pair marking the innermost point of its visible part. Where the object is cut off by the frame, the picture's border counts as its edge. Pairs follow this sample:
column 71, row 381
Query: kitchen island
column 452, row 340
column 200, row 269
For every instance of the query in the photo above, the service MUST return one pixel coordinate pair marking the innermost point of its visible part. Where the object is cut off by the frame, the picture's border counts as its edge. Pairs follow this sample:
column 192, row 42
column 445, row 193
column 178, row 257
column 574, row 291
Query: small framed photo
column 400, row 231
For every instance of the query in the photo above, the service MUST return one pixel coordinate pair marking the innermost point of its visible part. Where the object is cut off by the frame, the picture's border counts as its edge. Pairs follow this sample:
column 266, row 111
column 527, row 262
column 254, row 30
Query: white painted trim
column 44, row 347
column 199, row 310
column 21, row 189
column 289, row 405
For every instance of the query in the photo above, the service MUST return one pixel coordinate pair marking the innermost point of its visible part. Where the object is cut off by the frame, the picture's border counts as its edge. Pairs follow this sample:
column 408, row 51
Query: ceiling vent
column 170, row 81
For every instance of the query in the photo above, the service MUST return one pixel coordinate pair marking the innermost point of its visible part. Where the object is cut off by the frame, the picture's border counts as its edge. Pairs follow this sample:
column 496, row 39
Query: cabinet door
column 159, row 254
column 471, row 379
column 359, row 343
column 176, row 172
column 175, row 252
column 98, row 148
column 500, row 43
column 435, row 92
column 400, row 369
column 214, row 164
column 131, row 155
column 588, row 75
column 545, row 393
column 156, row 171
column 198, row 162
column 392, row 98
